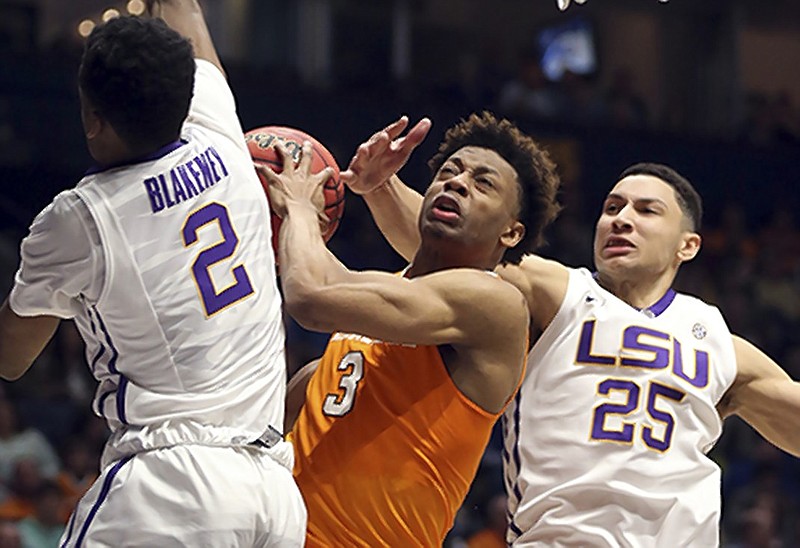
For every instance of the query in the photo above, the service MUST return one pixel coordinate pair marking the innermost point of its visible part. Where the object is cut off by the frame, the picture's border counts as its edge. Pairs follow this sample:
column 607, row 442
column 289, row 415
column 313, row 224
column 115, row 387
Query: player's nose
column 622, row 220
column 457, row 184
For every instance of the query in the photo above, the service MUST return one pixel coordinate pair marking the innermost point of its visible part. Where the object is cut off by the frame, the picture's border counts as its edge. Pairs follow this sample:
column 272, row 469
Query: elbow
column 12, row 372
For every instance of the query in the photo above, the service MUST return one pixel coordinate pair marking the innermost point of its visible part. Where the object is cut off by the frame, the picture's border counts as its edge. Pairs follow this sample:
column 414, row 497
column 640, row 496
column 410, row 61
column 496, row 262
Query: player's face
column 641, row 229
column 474, row 199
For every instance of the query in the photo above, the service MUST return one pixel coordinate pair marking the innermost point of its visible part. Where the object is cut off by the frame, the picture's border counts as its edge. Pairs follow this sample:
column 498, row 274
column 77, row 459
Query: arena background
column 710, row 87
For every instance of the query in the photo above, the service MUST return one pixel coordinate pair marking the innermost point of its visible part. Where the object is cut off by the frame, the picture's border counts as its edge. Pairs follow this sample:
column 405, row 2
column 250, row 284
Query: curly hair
column 139, row 75
column 536, row 173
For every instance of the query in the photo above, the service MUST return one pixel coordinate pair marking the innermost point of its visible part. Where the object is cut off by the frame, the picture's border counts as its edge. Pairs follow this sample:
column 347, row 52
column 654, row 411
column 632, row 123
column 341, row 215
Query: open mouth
column 618, row 242
column 618, row 246
column 445, row 208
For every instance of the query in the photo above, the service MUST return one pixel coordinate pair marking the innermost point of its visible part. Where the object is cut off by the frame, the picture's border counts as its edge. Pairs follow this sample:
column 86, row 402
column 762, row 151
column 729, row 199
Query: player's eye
column 448, row 170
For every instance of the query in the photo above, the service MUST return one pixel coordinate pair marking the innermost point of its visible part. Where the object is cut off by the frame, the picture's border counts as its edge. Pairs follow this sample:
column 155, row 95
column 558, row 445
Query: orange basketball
column 260, row 144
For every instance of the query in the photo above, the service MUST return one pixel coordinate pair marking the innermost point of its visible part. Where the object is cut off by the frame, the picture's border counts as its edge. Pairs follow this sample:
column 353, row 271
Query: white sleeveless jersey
column 184, row 333
column 606, row 441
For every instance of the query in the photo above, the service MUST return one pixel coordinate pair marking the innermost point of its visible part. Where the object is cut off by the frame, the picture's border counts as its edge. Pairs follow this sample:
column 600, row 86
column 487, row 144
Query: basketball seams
column 322, row 158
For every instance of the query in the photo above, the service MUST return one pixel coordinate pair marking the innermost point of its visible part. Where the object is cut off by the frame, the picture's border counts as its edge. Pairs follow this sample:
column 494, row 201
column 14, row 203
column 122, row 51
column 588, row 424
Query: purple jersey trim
column 160, row 153
column 112, row 367
column 112, row 361
column 516, row 492
column 123, row 385
column 100, row 499
column 661, row 305
column 69, row 528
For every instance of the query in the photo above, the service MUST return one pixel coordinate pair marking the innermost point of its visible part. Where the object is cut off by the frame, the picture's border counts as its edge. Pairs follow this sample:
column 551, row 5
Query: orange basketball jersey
column 386, row 446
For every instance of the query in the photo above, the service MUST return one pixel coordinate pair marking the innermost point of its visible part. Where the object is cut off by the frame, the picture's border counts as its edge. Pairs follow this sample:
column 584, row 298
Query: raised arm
column 186, row 17
column 765, row 396
column 456, row 306
column 372, row 174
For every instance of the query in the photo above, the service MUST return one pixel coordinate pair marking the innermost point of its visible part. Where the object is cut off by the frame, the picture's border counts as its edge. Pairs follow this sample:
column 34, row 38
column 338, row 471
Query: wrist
column 384, row 186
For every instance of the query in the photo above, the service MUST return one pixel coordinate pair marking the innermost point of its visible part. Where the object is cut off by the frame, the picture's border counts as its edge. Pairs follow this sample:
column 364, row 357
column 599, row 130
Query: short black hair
column 536, row 172
column 688, row 198
column 139, row 74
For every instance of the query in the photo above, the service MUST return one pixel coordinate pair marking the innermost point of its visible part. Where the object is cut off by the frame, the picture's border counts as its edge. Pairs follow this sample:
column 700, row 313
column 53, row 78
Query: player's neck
column 639, row 292
column 429, row 259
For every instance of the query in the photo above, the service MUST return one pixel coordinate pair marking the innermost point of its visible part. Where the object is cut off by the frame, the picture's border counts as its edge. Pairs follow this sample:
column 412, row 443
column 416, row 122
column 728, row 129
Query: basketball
column 260, row 143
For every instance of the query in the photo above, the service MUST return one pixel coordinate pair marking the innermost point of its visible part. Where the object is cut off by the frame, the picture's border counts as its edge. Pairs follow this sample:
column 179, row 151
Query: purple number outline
column 213, row 302
column 598, row 423
column 657, row 389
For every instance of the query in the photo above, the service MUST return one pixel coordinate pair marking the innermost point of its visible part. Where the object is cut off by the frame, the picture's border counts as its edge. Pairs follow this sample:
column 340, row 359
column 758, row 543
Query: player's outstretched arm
column 186, row 17
column 372, row 173
column 22, row 339
column 765, row 396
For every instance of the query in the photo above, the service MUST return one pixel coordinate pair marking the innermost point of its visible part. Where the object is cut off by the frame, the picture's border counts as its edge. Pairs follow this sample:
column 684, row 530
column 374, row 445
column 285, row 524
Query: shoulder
column 67, row 219
column 486, row 302
column 480, row 288
column 543, row 282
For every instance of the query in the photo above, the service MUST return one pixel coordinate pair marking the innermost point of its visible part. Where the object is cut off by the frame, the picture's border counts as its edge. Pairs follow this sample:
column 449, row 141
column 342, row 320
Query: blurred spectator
column 24, row 486
column 529, row 94
column 771, row 120
column 584, row 105
column 626, row 107
column 79, row 472
column 9, row 535
column 493, row 534
column 787, row 119
column 23, row 443
column 43, row 529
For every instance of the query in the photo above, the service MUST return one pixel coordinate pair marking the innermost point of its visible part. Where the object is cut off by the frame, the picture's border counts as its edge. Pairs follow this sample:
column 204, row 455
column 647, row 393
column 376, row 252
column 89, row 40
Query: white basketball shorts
column 191, row 495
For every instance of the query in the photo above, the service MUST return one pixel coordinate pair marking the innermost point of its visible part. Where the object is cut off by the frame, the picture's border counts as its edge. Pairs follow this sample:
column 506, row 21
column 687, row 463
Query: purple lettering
column 585, row 355
column 156, row 200
column 631, row 341
column 191, row 191
column 163, row 182
column 700, row 378
column 216, row 155
column 180, row 193
column 202, row 163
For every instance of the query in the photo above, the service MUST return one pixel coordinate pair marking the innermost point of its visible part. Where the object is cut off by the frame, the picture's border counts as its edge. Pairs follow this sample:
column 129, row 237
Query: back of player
column 170, row 277
column 606, row 440
column 386, row 446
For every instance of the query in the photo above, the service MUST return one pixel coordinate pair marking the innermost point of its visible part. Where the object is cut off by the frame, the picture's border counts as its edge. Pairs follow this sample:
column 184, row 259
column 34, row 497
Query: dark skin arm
column 22, row 339
column 186, row 17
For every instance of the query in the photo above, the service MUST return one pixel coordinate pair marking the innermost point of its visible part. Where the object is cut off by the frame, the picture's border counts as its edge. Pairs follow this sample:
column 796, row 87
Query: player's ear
column 92, row 124
column 513, row 234
column 690, row 246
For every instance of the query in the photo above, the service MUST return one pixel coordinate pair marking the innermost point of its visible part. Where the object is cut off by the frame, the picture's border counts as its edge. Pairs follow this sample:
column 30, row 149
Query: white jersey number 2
column 215, row 300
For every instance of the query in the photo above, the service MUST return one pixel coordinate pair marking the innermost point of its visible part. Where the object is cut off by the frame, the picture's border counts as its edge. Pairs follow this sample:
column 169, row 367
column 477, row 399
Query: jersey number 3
column 340, row 404
column 215, row 300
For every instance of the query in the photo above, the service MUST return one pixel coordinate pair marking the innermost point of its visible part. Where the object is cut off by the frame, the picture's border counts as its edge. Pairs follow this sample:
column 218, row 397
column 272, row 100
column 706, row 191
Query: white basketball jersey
column 185, row 336
column 606, row 441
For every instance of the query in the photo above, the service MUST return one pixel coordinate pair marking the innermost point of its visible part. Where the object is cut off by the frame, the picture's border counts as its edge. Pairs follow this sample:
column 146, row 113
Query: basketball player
column 627, row 386
column 162, row 256
column 420, row 365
